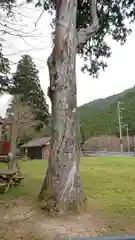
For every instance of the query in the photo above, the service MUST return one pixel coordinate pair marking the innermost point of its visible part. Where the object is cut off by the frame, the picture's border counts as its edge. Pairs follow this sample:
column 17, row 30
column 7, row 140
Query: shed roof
column 37, row 142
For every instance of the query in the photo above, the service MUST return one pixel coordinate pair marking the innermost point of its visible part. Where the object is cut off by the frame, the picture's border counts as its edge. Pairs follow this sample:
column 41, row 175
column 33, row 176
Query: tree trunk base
column 53, row 208
column 72, row 201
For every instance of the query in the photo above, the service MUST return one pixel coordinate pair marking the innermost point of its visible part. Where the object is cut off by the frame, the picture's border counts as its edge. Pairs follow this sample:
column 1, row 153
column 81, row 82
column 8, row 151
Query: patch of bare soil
column 20, row 220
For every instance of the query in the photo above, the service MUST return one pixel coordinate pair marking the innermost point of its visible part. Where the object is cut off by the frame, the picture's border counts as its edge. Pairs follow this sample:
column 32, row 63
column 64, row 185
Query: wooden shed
column 37, row 148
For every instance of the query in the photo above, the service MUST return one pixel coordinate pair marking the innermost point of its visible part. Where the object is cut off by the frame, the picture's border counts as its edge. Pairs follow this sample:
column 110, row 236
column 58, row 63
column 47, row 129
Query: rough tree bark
column 61, row 188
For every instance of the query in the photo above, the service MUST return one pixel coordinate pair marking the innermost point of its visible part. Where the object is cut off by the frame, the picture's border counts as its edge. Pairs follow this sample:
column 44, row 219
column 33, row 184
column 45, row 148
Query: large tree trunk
column 61, row 187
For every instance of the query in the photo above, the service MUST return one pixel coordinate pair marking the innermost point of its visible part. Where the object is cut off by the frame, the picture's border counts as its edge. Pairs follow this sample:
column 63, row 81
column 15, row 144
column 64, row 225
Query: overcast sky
column 119, row 75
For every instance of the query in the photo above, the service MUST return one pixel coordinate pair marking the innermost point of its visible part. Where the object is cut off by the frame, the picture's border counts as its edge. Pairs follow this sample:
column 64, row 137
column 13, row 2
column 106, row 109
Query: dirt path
column 22, row 221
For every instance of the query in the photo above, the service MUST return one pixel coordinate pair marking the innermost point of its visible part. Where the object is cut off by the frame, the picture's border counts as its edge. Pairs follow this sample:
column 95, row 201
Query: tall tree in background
column 4, row 72
column 26, row 85
column 77, row 30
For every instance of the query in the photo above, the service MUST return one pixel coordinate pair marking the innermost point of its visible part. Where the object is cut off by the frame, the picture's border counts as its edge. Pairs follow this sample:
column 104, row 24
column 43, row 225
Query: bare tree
column 23, row 123
column 62, row 187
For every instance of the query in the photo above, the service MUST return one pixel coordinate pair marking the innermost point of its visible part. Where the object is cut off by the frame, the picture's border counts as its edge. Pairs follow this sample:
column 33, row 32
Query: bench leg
column 8, row 185
column 6, row 189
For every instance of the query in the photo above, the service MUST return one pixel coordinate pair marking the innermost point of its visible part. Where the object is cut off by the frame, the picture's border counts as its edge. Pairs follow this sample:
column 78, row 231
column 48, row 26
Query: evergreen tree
column 4, row 72
column 26, row 84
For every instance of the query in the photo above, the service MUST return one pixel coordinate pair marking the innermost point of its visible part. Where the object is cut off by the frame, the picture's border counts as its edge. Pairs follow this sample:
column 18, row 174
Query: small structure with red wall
column 4, row 147
column 4, row 143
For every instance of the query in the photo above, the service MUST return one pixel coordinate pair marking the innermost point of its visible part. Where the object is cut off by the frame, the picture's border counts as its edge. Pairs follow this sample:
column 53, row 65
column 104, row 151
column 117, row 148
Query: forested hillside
column 99, row 117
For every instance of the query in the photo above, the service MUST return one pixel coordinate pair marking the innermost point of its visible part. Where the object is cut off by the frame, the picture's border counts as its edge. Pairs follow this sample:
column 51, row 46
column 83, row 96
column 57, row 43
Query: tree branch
column 85, row 34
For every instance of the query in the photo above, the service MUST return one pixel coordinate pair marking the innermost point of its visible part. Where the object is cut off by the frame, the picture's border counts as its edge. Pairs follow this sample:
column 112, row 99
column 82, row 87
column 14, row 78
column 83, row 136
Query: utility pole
column 120, row 125
column 128, row 142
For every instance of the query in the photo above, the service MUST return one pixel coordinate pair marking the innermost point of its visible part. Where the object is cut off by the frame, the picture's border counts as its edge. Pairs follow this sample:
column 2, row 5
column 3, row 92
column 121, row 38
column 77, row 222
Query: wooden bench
column 6, row 180
column 17, row 179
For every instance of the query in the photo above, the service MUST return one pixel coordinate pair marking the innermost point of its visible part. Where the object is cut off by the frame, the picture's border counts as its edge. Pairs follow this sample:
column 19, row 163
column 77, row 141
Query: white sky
column 117, row 77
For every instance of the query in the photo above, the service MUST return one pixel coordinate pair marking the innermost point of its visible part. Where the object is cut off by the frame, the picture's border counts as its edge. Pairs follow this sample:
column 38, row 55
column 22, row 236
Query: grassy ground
column 109, row 183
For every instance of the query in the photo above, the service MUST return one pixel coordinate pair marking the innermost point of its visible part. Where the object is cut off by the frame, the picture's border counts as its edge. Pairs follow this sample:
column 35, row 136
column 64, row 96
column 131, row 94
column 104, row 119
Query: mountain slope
column 100, row 116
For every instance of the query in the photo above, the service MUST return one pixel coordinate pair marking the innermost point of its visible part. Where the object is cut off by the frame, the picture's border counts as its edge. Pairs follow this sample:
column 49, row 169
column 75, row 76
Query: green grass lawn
column 109, row 183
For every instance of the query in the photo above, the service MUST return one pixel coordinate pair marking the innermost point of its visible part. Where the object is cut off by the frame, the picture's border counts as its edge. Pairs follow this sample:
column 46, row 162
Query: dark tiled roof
column 37, row 142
